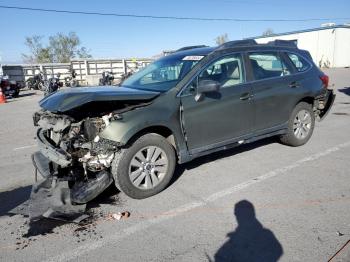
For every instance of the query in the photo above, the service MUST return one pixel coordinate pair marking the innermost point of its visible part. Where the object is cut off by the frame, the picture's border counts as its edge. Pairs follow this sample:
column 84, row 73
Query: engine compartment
column 80, row 140
column 73, row 160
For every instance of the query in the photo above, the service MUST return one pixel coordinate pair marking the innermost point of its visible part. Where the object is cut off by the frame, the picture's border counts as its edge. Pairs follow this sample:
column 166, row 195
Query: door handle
column 294, row 84
column 245, row 96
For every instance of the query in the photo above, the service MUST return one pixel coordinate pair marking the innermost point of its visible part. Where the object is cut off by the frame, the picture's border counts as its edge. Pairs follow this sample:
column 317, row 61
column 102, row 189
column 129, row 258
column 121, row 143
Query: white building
column 329, row 45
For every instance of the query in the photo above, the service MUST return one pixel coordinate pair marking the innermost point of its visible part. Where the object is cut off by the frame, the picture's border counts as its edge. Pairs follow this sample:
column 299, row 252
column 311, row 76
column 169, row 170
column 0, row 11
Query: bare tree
column 268, row 32
column 221, row 39
column 60, row 49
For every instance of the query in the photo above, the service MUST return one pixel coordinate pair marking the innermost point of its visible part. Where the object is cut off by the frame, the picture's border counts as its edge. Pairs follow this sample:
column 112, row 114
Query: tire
column 28, row 85
column 74, row 83
column 16, row 94
column 123, row 168
column 299, row 131
column 43, row 86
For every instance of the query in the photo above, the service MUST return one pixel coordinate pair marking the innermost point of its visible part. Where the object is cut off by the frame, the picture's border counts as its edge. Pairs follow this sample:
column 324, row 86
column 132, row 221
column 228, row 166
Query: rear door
column 272, row 86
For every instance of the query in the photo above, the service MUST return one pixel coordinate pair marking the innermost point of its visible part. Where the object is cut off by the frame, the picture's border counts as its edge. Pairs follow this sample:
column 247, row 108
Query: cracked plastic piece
column 41, row 163
column 51, row 198
column 328, row 102
column 56, row 155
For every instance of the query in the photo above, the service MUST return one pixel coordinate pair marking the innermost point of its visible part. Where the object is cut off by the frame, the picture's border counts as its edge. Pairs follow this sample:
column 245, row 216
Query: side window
column 267, row 65
column 299, row 62
column 228, row 71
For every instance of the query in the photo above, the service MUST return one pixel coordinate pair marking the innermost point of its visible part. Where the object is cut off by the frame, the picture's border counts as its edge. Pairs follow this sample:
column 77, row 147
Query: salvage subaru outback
column 191, row 103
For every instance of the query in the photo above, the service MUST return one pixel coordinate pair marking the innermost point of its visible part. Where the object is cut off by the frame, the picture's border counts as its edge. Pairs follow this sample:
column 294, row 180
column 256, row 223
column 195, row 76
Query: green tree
column 221, row 39
column 38, row 53
column 61, row 48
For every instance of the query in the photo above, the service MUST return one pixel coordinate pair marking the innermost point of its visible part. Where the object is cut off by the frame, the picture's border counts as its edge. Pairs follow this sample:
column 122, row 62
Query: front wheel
column 145, row 168
column 16, row 94
column 300, row 125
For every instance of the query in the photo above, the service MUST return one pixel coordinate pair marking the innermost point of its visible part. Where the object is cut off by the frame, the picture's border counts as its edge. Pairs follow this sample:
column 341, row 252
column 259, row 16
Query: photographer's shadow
column 250, row 241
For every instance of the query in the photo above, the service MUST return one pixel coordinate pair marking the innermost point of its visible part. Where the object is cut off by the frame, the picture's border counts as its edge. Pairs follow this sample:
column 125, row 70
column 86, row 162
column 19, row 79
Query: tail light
column 325, row 80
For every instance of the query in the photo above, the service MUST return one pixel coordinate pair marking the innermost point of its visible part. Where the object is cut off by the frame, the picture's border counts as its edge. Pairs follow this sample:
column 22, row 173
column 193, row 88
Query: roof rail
column 278, row 42
column 246, row 42
column 190, row 47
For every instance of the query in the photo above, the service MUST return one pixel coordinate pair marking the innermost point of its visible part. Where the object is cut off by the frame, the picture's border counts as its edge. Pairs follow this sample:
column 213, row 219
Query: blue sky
column 135, row 37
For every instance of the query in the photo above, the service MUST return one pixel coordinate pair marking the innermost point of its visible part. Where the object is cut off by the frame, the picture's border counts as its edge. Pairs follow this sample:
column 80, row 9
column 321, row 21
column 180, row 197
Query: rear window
column 267, row 65
column 299, row 62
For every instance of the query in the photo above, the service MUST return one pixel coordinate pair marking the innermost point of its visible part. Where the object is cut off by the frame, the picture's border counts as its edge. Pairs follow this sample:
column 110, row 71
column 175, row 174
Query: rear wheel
column 300, row 125
column 74, row 83
column 43, row 86
column 145, row 168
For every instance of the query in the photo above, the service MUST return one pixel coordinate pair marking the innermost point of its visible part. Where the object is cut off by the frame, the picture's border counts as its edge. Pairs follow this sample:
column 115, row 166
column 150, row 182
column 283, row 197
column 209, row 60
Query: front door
column 221, row 116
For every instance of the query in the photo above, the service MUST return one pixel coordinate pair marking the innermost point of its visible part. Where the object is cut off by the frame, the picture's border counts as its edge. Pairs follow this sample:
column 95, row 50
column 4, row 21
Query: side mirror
column 206, row 86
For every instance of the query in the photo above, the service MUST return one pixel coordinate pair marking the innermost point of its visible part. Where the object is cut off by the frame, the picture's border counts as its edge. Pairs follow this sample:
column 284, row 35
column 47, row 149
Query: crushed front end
column 73, row 160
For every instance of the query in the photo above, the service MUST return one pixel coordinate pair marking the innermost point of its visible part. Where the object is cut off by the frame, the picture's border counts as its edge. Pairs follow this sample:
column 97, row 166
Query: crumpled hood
column 67, row 99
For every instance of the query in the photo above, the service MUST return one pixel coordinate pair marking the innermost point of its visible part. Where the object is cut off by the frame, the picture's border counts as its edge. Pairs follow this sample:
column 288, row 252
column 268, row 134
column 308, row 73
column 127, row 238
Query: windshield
column 162, row 74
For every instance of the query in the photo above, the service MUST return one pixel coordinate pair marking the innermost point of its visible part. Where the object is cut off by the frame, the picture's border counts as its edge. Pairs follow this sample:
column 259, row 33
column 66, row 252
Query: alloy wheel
column 148, row 167
column 302, row 124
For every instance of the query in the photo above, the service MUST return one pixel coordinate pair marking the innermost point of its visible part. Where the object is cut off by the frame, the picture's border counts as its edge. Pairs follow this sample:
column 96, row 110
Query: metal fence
column 88, row 71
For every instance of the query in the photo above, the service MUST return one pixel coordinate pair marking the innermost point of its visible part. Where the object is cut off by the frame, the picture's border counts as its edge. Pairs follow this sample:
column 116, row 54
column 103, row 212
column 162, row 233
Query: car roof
column 202, row 51
column 238, row 45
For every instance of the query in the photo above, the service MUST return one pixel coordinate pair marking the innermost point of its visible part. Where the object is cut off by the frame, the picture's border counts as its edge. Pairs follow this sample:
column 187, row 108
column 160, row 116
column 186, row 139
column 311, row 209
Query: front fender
column 122, row 132
column 134, row 121
column 163, row 112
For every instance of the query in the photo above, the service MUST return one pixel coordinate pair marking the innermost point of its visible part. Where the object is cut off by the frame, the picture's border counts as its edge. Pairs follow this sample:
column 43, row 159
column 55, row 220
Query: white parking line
column 77, row 252
column 23, row 147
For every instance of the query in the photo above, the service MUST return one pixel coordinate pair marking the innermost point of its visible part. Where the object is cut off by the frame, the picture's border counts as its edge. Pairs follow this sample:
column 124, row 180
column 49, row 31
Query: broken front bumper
column 56, row 155
column 61, row 193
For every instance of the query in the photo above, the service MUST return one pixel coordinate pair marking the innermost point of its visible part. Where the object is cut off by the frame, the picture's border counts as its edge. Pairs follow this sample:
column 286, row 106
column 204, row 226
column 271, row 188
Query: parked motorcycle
column 70, row 81
column 107, row 78
column 37, row 82
column 54, row 84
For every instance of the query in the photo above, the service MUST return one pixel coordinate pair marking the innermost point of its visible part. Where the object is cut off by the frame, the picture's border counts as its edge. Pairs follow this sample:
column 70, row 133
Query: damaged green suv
column 193, row 102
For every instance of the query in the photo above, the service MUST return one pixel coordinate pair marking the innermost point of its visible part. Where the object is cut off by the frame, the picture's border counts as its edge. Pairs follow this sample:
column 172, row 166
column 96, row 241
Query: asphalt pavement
column 259, row 202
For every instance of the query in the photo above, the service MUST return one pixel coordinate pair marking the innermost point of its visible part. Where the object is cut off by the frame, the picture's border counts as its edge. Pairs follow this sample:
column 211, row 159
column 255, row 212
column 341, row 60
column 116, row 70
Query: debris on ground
column 340, row 233
column 118, row 216
column 50, row 212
